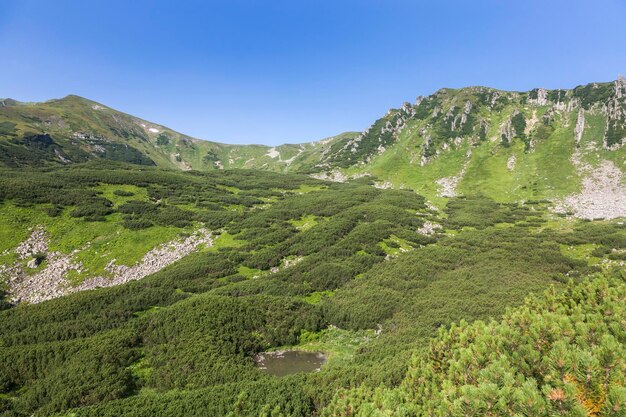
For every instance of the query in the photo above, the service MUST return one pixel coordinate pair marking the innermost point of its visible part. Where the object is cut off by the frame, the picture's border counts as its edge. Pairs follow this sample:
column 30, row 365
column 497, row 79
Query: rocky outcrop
column 37, row 243
column 620, row 87
column 460, row 120
column 580, row 126
column 506, row 132
column 615, row 110
column 273, row 153
column 153, row 261
column 379, row 136
column 384, row 185
column 510, row 163
column 541, row 99
column 52, row 281
column 429, row 228
column 286, row 263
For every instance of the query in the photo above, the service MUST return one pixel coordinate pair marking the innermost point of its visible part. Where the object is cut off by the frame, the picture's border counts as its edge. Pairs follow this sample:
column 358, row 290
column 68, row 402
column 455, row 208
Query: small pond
column 285, row 362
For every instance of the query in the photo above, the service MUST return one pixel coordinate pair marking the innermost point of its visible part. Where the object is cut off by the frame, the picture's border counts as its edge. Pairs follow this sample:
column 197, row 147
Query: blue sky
column 271, row 72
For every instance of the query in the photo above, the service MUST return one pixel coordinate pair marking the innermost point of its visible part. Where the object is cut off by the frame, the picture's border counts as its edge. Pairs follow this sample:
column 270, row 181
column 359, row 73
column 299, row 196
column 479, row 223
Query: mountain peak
column 6, row 102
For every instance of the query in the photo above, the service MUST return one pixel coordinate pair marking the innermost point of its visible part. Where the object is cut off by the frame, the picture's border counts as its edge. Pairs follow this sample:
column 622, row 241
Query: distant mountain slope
column 562, row 145
column 74, row 129
column 507, row 145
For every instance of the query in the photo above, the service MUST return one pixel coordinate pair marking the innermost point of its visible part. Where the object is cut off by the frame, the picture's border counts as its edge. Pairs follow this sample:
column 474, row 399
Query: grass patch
column 316, row 297
column 304, row 223
column 226, row 240
column 395, row 246
column 339, row 345
column 249, row 272
column 119, row 194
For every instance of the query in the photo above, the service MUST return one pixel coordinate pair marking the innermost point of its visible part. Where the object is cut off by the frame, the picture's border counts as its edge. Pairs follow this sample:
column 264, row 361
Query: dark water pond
column 285, row 362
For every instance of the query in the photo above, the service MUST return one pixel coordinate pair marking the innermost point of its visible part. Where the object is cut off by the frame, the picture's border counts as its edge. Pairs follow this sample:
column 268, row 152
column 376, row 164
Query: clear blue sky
column 290, row 71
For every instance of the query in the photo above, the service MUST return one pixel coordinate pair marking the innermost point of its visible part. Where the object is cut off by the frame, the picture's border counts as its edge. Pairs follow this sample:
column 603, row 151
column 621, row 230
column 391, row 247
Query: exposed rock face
column 580, row 126
column 506, row 132
column 432, row 125
column 460, row 119
column 510, row 163
column 273, row 153
column 33, row 263
column 620, row 87
column 615, row 110
column 61, row 157
column 448, row 185
column 531, row 123
column 6, row 102
column 52, row 281
column 542, row 97
column 378, row 137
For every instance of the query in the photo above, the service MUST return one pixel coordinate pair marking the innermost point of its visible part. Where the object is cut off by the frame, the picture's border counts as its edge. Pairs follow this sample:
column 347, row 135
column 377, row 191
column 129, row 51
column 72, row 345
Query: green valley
column 464, row 256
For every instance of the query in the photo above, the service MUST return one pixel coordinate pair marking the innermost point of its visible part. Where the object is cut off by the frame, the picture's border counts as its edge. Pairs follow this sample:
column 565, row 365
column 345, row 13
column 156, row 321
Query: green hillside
column 74, row 130
column 506, row 145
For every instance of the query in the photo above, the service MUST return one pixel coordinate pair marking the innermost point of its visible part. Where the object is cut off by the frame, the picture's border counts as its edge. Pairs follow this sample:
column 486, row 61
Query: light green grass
column 228, row 188
column 108, row 192
column 304, row 223
column 98, row 242
column 226, row 240
column 306, row 188
column 338, row 344
column 404, row 246
column 249, row 272
column 582, row 252
column 317, row 296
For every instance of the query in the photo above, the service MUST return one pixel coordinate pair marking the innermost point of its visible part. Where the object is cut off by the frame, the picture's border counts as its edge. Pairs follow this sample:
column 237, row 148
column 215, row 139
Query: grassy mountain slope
column 74, row 130
column 506, row 145
column 509, row 146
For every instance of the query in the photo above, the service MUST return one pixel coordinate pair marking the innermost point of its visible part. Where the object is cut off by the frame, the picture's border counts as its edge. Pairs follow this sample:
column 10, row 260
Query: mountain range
column 509, row 146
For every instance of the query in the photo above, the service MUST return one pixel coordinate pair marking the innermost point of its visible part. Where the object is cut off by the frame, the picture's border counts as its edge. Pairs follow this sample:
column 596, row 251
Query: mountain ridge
column 507, row 145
